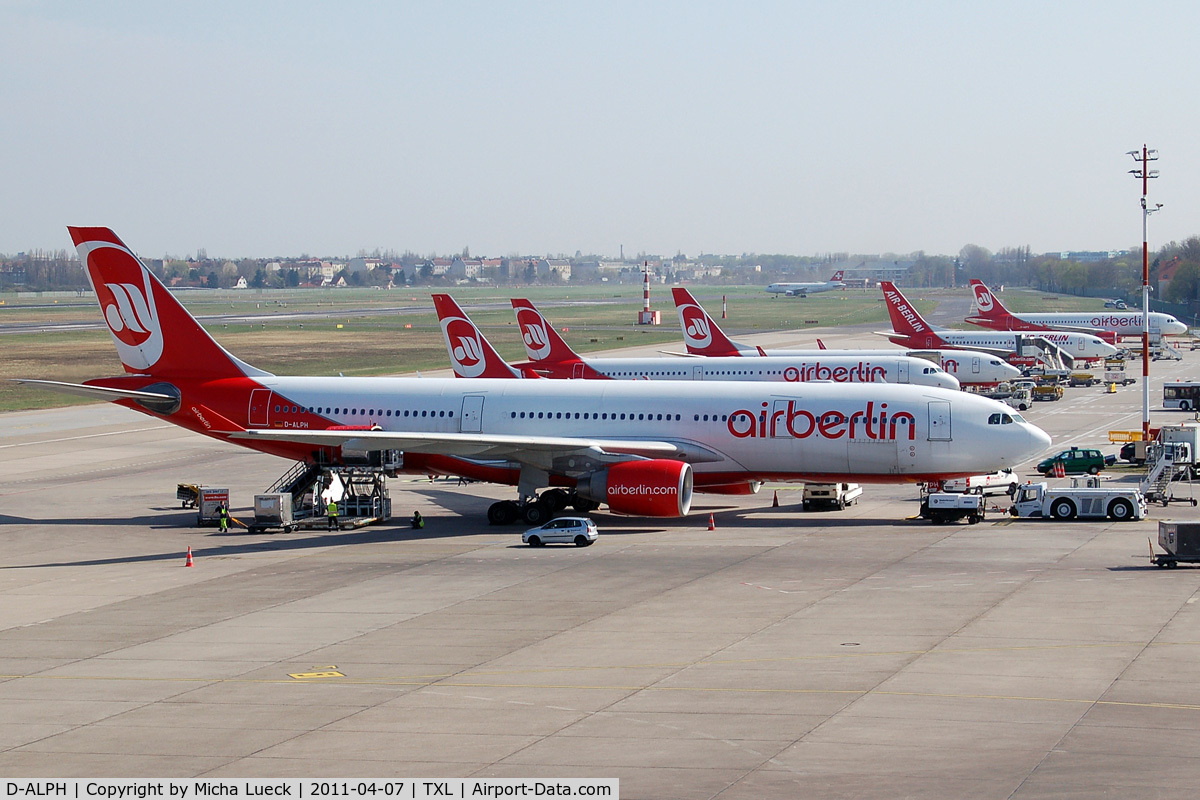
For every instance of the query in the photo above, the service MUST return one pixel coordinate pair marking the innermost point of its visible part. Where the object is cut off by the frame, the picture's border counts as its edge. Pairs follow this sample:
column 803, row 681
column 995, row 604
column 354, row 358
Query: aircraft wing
column 568, row 454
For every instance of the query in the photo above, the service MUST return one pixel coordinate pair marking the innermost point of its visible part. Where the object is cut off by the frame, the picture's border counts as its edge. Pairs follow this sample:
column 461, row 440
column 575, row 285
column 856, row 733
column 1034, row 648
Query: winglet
column 471, row 354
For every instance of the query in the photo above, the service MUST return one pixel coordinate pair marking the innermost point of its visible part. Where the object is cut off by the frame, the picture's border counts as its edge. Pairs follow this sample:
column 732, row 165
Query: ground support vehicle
column 579, row 531
column 1002, row 482
column 838, row 495
column 1038, row 501
column 1047, row 391
column 1171, row 463
column 188, row 494
column 1181, row 540
column 1020, row 399
column 943, row 507
column 1082, row 379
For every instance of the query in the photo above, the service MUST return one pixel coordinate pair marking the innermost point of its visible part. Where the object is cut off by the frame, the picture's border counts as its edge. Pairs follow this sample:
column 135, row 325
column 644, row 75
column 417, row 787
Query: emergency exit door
column 471, row 420
column 939, row 421
column 260, row 404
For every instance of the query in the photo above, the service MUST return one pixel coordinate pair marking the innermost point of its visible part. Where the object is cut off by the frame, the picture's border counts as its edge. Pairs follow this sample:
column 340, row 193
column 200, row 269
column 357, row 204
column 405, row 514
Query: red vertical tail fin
column 905, row 319
column 837, row 276
column 154, row 334
column 992, row 312
column 542, row 342
column 701, row 334
column 471, row 354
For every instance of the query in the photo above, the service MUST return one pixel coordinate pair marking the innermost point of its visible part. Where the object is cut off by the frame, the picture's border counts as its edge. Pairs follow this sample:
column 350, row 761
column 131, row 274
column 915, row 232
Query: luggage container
column 208, row 500
column 1181, row 540
column 273, row 510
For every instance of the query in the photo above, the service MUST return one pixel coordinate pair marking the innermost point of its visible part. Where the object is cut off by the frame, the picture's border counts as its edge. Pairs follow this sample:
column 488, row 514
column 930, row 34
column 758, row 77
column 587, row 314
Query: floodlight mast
column 1145, row 173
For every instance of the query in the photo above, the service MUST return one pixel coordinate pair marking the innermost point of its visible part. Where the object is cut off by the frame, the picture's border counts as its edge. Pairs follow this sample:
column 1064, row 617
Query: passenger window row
column 375, row 413
column 592, row 415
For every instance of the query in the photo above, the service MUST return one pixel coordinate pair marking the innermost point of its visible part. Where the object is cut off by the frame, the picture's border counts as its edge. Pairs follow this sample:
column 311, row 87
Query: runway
column 784, row 654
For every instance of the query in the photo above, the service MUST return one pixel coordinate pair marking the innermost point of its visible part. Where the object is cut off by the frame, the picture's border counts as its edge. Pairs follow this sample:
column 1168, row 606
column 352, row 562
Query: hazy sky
column 280, row 128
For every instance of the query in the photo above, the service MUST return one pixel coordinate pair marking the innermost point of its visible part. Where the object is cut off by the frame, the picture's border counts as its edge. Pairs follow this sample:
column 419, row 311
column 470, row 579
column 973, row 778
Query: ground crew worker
column 331, row 512
column 223, row 518
column 417, row 520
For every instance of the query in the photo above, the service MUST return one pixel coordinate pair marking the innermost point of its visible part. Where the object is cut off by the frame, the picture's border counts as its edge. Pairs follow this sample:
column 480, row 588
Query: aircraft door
column 1082, row 343
column 1155, row 325
column 260, row 404
column 975, row 365
column 939, row 421
column 902, row 372
column 929, row 343
column 697, row 373
column 576, row 371
column 471, row 420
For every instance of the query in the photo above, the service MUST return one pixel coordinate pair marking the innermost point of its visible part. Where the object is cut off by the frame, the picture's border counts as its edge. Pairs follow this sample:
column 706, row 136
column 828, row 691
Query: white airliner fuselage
column 730, row 432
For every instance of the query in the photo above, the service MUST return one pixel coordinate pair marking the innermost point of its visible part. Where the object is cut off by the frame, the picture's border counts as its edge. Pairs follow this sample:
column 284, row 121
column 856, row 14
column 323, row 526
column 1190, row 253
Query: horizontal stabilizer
column 98, row 392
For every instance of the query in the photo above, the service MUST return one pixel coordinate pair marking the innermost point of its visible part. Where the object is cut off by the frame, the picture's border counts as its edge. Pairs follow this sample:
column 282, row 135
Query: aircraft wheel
column 535, row 513
column 502, row 513
column 554, row 500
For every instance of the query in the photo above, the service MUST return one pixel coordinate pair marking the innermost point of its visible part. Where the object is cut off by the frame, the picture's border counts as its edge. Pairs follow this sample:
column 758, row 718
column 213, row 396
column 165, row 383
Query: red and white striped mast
column 1145, row 173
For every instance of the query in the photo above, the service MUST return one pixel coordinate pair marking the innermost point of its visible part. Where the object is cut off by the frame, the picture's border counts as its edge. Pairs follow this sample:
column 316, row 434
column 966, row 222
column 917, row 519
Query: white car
column 579, row 531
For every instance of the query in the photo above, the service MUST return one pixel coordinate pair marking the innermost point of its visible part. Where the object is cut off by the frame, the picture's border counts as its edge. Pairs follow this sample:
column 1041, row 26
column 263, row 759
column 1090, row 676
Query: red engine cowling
column 654, row 488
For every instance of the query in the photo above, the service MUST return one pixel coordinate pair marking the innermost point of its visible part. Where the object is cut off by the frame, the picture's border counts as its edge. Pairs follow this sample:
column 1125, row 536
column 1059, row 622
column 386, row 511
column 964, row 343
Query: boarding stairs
column 1166, row 352
column 1170, row 466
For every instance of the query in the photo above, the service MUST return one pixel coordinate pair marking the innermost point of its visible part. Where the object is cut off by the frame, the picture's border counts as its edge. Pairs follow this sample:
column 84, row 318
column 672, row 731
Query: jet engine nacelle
column 654, row 488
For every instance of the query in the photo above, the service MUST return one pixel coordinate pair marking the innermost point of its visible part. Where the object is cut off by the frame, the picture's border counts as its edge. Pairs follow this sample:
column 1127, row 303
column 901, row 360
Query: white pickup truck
column 1037, row 501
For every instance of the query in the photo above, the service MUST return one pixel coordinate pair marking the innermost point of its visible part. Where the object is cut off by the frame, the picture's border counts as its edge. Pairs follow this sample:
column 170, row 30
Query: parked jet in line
column 805, row 289
column 639, row 446
column 991, row 313
column 551, row 357
column 909, row 328
column 704, row 337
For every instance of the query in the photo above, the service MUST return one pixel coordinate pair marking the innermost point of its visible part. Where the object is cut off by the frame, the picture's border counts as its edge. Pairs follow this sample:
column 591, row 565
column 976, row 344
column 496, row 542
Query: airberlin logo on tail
column 983, row 299
column 695, row 325
column 466, row 349
column 902, row 308
column 533, row 332
column 126, row 294
column 871, row 422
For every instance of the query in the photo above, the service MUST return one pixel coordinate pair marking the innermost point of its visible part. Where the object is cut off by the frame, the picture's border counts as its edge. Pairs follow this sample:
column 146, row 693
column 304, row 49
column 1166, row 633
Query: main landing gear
column 539, row 509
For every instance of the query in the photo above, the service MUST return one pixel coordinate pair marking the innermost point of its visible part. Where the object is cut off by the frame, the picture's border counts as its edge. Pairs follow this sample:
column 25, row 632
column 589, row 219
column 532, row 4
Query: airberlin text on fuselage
column 863, row 372
column 802, row 424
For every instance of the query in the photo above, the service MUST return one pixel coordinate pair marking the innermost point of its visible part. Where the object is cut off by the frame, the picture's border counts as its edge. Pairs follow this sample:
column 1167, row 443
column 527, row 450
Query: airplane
column 805, row 289
column 1117, row 324
column 639, row 446
column 910, row 329
column 552, row 357
column 703, row 337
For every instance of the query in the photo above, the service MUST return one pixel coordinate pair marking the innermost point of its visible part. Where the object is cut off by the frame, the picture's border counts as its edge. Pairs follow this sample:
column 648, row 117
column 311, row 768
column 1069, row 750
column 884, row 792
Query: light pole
column 1145, row 173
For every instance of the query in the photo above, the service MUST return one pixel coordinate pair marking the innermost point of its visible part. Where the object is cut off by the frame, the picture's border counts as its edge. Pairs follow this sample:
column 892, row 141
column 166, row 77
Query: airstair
column 360, row 492
column 1170, row 466
column 1166, row 352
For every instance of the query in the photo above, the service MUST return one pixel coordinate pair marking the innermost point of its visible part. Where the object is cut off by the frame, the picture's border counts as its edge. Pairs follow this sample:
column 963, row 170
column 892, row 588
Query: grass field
column 378, row 343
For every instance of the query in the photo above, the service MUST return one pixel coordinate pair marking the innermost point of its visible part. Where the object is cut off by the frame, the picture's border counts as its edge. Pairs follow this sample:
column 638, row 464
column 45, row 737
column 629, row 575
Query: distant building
column 1088, row 256
column 466, row 268
column 559, row 267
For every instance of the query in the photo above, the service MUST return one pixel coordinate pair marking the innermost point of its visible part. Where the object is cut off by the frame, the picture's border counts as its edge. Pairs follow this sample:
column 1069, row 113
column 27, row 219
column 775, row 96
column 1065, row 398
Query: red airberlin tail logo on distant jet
column 126, row 296
column 983, row 298
column 695, row 325
column 533, row 331
column 466, row 349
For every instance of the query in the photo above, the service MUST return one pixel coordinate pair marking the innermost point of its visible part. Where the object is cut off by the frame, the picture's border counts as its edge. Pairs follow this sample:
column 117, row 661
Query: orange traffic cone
column 712, row 523
column 775, row 501
column 189, row 563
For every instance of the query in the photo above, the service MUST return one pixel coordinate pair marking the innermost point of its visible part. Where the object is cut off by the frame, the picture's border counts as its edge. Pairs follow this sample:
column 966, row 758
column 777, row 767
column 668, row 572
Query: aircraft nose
column 1039, row 440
